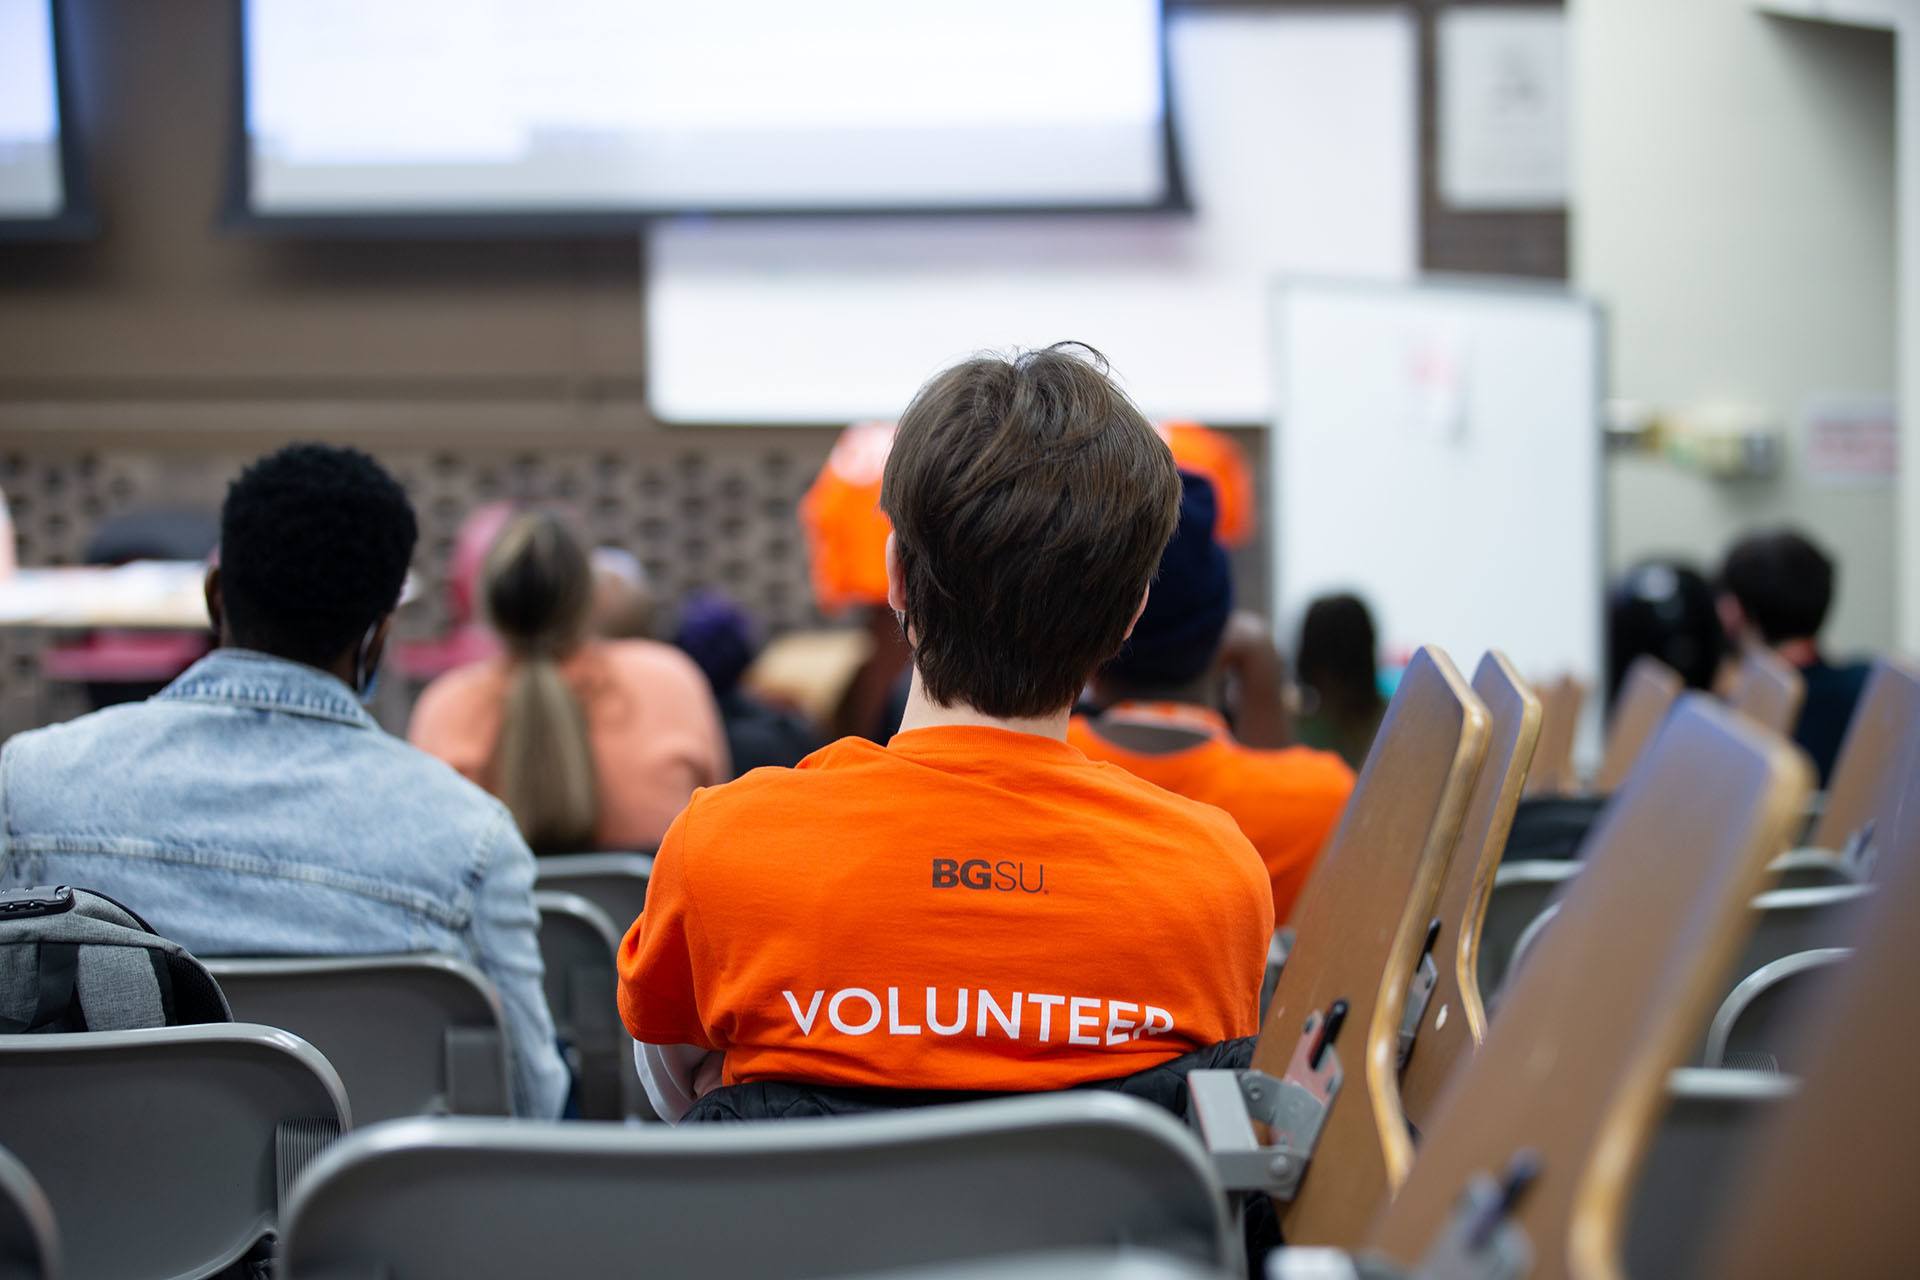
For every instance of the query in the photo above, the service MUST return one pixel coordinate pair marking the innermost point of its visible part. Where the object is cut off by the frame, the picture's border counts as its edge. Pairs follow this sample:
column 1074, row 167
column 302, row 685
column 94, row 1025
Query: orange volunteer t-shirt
column 965, row 908
column 1287, row 802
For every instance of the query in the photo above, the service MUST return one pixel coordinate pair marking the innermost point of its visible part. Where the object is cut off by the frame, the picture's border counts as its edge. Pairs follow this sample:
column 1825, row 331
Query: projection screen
column 365, row 108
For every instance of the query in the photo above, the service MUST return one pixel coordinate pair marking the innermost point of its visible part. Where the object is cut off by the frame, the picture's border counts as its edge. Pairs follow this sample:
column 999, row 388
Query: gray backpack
column 76, row 960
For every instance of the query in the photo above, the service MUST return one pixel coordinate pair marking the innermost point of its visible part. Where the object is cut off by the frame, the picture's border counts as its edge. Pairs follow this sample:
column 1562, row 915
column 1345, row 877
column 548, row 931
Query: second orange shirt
column 1287, row 802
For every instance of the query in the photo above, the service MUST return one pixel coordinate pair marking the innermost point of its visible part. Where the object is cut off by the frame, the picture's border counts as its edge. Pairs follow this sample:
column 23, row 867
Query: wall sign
column 1503, row 108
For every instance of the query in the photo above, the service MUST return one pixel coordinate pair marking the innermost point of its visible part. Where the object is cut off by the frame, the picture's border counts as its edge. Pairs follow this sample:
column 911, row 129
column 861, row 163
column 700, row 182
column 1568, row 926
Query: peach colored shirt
column 655, row 732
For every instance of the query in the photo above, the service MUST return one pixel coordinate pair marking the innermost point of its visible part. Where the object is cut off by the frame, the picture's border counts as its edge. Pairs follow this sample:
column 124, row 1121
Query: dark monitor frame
column 237, row 213
column 78, row 217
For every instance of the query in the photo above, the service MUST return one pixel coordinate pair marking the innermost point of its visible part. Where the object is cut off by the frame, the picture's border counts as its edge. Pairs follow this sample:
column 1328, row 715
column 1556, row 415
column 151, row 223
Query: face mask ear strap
column 366, row 675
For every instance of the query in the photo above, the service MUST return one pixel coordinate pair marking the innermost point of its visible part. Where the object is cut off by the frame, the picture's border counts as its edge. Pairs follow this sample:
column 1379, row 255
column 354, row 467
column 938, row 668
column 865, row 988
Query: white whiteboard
column 1297, row 135
column 1437, row 449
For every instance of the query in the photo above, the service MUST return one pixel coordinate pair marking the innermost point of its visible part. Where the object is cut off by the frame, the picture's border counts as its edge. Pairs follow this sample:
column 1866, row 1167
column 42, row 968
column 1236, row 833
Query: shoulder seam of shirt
column 256, row 700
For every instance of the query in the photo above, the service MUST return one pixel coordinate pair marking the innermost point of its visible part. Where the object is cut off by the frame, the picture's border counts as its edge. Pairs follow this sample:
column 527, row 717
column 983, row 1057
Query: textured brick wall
column 713, row 508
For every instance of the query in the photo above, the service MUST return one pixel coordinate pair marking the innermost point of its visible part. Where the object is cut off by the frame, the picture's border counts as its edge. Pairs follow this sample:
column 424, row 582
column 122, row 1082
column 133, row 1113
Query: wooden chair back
column 1552, row 772
column 1455, row 1021
column 1574, row 1070
column 1647, row 693
column 1829, row 1187
column 1358, row 932
column 1768, row 690
column 1870, row 756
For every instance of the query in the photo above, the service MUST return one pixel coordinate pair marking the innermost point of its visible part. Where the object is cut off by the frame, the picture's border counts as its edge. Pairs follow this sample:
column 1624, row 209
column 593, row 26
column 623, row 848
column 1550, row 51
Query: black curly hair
column 314, row 546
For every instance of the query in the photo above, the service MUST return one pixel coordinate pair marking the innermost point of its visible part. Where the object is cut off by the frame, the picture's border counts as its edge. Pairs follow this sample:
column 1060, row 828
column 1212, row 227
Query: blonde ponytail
column 539, row 589
column 544, row 761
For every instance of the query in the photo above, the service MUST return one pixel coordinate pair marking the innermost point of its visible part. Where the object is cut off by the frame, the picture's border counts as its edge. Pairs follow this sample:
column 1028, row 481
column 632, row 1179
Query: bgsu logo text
column 978, row 873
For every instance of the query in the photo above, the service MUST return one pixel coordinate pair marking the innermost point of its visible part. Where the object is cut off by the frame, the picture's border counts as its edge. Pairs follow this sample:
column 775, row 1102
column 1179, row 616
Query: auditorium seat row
column 1581, row 1120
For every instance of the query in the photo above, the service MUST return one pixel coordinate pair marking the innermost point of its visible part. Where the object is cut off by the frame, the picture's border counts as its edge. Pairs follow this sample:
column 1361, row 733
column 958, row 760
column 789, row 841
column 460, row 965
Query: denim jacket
column 253, row 807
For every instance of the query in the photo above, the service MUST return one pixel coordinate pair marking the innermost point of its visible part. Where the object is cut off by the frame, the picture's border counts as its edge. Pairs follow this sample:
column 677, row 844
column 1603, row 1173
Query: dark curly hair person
column 254, row 807
column 314, row 546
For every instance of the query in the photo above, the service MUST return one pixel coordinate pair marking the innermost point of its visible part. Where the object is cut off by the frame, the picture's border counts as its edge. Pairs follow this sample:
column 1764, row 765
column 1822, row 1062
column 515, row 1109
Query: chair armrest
column 1808, row 867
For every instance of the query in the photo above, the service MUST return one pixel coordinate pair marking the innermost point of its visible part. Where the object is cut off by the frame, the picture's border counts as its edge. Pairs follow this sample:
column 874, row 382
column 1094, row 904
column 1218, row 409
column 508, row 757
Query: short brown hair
column 1030, row 503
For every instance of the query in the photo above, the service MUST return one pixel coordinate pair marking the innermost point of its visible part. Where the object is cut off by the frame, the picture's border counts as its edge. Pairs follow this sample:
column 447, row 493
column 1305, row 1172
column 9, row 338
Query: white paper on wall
column 1852, row 440
column 1503, row 108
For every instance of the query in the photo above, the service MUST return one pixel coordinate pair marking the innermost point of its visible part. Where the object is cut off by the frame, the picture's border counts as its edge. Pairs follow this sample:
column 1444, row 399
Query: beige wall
column 1735, row 211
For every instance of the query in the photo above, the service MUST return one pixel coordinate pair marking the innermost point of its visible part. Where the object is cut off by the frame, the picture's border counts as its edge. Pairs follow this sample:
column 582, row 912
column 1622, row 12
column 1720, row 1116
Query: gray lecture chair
column 943, row 1186
column 1809, row 868
column 1523, row 892
column 1828, row 1186
column 1552, row 772
column 1529, row 937
column 1790, row 973
column 1787, row 923
column 29, row 1240
column 165, row 1152
column 1570, row 1084
column 1647, row 693
column 410, row 1034
column 1444, row 1027
column 1880, row 755
column 1360, row 928
column 1755, row 1025
column 578, row 944
column 1790, row 922
column 1062, row 1264
column 1703, row 1141
column 1768, row 690
column 1802, row 932
column 1875, row 755
column 614, row 882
